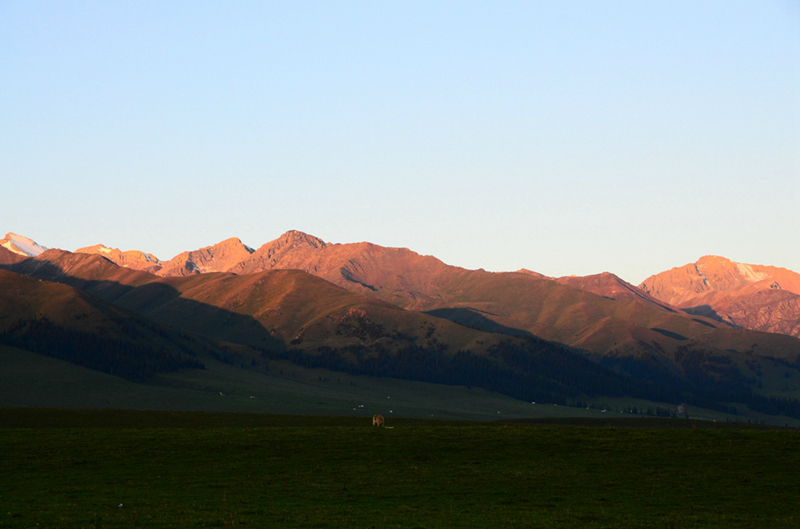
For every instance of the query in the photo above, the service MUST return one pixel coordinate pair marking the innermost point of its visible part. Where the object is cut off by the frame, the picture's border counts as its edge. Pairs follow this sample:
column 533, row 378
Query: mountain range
column 697, row 331
column 748, row 296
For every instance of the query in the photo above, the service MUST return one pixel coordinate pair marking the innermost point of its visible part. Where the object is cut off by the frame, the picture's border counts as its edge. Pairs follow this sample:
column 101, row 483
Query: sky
column 563, row 137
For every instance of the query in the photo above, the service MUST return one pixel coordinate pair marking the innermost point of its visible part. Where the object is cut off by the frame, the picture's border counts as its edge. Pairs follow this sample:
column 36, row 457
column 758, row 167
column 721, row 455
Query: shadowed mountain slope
column 296, row 308
column 601, row 314
column 63, row 322
column 276, row 307
column 7, row 257
column 612, row 327
column 291, row 315
column 646, row 349
column 89, row 272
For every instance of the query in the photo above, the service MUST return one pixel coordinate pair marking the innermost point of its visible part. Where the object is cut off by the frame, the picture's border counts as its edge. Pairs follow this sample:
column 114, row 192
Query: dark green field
column 248, row 470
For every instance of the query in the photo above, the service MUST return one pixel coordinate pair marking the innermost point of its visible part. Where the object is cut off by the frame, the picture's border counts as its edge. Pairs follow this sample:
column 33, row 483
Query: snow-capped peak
column 22, row 245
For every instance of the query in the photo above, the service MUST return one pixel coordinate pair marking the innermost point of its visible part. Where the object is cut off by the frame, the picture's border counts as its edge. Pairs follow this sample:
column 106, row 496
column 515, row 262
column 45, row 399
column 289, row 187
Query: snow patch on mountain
column 22, row 245
column 748, row 273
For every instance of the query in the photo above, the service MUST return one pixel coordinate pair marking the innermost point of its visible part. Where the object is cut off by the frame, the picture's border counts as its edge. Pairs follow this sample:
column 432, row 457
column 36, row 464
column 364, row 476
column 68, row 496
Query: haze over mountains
column 368, row 309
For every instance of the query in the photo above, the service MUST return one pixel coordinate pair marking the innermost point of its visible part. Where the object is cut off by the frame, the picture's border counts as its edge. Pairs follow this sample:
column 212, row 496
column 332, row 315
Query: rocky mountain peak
column 764, row 298
column 21, row 245
column 233, row 243
column 298, row 238
column 220, row 257
column 133, row 259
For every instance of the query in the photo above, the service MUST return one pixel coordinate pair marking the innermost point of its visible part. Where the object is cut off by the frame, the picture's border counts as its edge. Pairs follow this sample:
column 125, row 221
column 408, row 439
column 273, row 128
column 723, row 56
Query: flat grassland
column 103, row 468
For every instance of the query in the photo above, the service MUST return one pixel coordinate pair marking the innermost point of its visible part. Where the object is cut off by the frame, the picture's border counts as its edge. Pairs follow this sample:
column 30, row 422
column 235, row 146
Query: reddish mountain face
column 602, row 314
column 8, row 257
column 220, row 257
column 611, row 286
column 397, row 275
column 599, row 313
column 263, row 309
column 716, row 274
column 133, row 259
column 764, row 298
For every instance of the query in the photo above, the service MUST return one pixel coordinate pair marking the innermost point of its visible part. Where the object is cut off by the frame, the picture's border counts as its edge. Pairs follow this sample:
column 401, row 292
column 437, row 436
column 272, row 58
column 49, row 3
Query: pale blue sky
column 563, row 137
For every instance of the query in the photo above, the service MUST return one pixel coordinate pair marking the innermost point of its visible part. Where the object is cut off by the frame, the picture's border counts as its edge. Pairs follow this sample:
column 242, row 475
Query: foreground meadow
column 213, row 470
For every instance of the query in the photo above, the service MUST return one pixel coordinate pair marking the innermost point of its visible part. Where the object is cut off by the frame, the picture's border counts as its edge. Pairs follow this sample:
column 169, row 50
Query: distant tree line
column 426, row 365
column 129, row 360
column 531, row 369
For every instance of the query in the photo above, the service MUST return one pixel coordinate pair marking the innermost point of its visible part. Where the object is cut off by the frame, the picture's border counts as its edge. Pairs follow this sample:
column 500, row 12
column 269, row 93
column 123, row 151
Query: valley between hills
column 300, row 325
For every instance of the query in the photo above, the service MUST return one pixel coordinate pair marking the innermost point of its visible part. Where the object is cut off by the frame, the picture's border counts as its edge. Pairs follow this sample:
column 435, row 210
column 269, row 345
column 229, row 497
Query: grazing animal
column 378, row 420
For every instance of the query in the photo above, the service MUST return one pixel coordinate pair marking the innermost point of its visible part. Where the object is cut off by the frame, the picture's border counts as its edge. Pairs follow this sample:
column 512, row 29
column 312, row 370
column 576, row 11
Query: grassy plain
column 30, row 379
column 171, row 469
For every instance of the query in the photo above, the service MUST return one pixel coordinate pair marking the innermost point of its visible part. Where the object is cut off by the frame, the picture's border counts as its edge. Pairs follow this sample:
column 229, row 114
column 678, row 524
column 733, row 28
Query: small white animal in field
column 120, row 506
